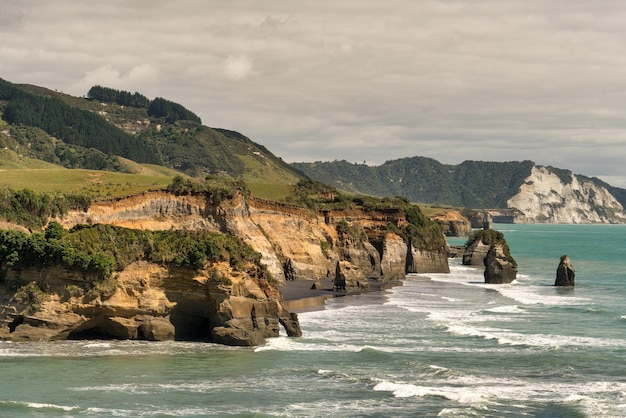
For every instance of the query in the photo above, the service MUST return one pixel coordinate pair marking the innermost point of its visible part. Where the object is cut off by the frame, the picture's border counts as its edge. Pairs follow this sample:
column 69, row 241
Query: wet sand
column 299, row 297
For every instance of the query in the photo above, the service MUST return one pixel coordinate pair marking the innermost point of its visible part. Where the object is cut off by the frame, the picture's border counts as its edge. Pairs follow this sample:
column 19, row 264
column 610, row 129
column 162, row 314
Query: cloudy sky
column 361, row 80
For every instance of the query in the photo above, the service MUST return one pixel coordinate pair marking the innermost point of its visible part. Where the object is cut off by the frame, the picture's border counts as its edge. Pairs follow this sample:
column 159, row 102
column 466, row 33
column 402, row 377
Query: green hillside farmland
column 99, row 183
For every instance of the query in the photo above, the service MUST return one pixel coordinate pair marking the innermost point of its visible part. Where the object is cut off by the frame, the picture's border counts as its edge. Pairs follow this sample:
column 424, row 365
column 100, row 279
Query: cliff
column 296, row 243
column 149, row 300
column 145, row 301
column 453, row 223
column 549, row 198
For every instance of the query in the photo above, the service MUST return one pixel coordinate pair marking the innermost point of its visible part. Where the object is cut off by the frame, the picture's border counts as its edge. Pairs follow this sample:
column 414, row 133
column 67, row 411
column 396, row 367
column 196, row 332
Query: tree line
column 158, row 108
column 73, row 126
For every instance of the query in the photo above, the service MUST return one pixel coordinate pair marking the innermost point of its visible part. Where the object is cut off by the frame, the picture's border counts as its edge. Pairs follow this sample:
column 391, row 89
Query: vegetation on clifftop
column 421, row 232
column 31, row 209
column 101, row 249
column 491, row 237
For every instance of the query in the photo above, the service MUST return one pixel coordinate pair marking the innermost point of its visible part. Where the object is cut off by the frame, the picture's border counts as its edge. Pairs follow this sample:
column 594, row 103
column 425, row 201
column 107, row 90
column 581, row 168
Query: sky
column 356, row 80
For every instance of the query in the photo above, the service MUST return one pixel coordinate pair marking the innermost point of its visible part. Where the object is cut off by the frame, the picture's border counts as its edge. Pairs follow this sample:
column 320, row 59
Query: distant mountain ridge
column 564, row 198
column 474, row 184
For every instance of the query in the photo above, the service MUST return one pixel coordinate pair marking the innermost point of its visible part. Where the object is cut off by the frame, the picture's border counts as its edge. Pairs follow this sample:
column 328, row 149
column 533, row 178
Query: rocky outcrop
column 394, row 253
column 453, row 223
column 549, row 198
column 475, row 253
column 565, row 272
column 311, row 244
column 420, row 261
column 499, row 268
column 488, row 247
column 147, row 302
column 295, row 242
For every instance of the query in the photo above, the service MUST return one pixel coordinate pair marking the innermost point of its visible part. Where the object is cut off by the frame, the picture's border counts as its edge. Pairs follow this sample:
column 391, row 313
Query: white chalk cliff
column 547, row 198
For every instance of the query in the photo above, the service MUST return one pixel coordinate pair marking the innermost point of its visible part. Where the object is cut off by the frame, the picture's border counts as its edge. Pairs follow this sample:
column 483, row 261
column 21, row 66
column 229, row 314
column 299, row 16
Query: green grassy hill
column 48, row 130
column 19, row 172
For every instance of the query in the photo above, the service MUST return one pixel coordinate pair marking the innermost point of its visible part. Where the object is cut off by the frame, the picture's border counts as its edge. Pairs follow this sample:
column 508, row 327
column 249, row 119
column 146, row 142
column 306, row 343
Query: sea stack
column 499, row 268
column 490, row 248
column 565, row 272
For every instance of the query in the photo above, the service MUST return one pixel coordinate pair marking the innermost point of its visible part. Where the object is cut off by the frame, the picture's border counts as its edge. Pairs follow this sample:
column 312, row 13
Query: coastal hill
column 537, row 193
column 117, row 131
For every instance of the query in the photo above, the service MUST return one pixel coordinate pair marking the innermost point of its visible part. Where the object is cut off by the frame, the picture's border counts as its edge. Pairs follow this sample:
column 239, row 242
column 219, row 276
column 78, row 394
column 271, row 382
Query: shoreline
column 299, row 297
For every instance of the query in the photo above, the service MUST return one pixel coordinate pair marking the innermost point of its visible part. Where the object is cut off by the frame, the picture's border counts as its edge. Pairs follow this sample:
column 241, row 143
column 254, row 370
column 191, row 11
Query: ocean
column 439, row 345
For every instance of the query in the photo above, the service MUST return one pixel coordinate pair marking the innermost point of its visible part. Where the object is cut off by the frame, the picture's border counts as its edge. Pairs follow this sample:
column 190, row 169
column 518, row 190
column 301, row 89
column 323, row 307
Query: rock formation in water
column 565, row 272
column 499, row 268
column 475, row 252
column 489, row 248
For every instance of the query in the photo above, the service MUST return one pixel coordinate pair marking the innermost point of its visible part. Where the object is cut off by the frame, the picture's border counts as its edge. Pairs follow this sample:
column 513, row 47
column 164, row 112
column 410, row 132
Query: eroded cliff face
column 454, row 224
column 544, row 197
column 216, row 303
column 147, row 302
column 295, row 243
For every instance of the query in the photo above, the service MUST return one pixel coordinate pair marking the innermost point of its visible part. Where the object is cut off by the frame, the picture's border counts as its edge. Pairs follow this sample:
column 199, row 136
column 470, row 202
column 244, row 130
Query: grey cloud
column 364, row 80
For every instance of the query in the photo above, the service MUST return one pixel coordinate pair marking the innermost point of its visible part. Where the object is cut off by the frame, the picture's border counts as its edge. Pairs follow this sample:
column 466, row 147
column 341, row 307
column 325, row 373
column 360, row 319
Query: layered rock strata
column 146, row 301
column 454, row 224
column 295, row 243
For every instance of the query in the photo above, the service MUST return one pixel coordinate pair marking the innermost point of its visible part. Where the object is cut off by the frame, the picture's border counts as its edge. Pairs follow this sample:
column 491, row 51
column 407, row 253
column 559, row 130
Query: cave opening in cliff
column 95, row 333
column 17, row 321
column 103, row 328
column 191, row 327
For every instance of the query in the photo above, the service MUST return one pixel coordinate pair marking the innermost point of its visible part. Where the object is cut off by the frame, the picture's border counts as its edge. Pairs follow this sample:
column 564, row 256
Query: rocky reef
column 229, row 302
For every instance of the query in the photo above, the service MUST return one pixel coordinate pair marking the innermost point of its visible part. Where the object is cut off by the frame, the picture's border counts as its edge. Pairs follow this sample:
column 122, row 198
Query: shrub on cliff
column 101, row 249
column 217, row 188
column 353, row 232
column 32, row 209
column 421, row 231
column 189, row 249
column 18, row 249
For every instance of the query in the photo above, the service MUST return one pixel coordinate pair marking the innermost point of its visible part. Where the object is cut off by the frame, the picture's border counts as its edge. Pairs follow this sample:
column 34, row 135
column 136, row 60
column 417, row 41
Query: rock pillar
column 565, row 272
column 499, row 268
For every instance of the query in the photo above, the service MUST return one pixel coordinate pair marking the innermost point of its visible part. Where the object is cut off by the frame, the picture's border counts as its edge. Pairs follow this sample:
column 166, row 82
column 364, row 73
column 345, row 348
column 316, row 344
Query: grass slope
column 18, row 172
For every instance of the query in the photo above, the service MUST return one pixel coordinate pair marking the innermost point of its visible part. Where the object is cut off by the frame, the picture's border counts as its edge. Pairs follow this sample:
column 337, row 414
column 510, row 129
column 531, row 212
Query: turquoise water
column 441, row 345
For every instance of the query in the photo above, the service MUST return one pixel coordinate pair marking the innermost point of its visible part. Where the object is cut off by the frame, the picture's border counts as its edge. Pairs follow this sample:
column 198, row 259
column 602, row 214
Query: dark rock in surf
column 499, row 268
column 565, row 272
column 340, row 278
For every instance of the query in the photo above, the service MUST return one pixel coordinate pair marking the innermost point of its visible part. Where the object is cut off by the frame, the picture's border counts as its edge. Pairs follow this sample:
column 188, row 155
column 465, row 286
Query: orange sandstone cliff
column 150, row 301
